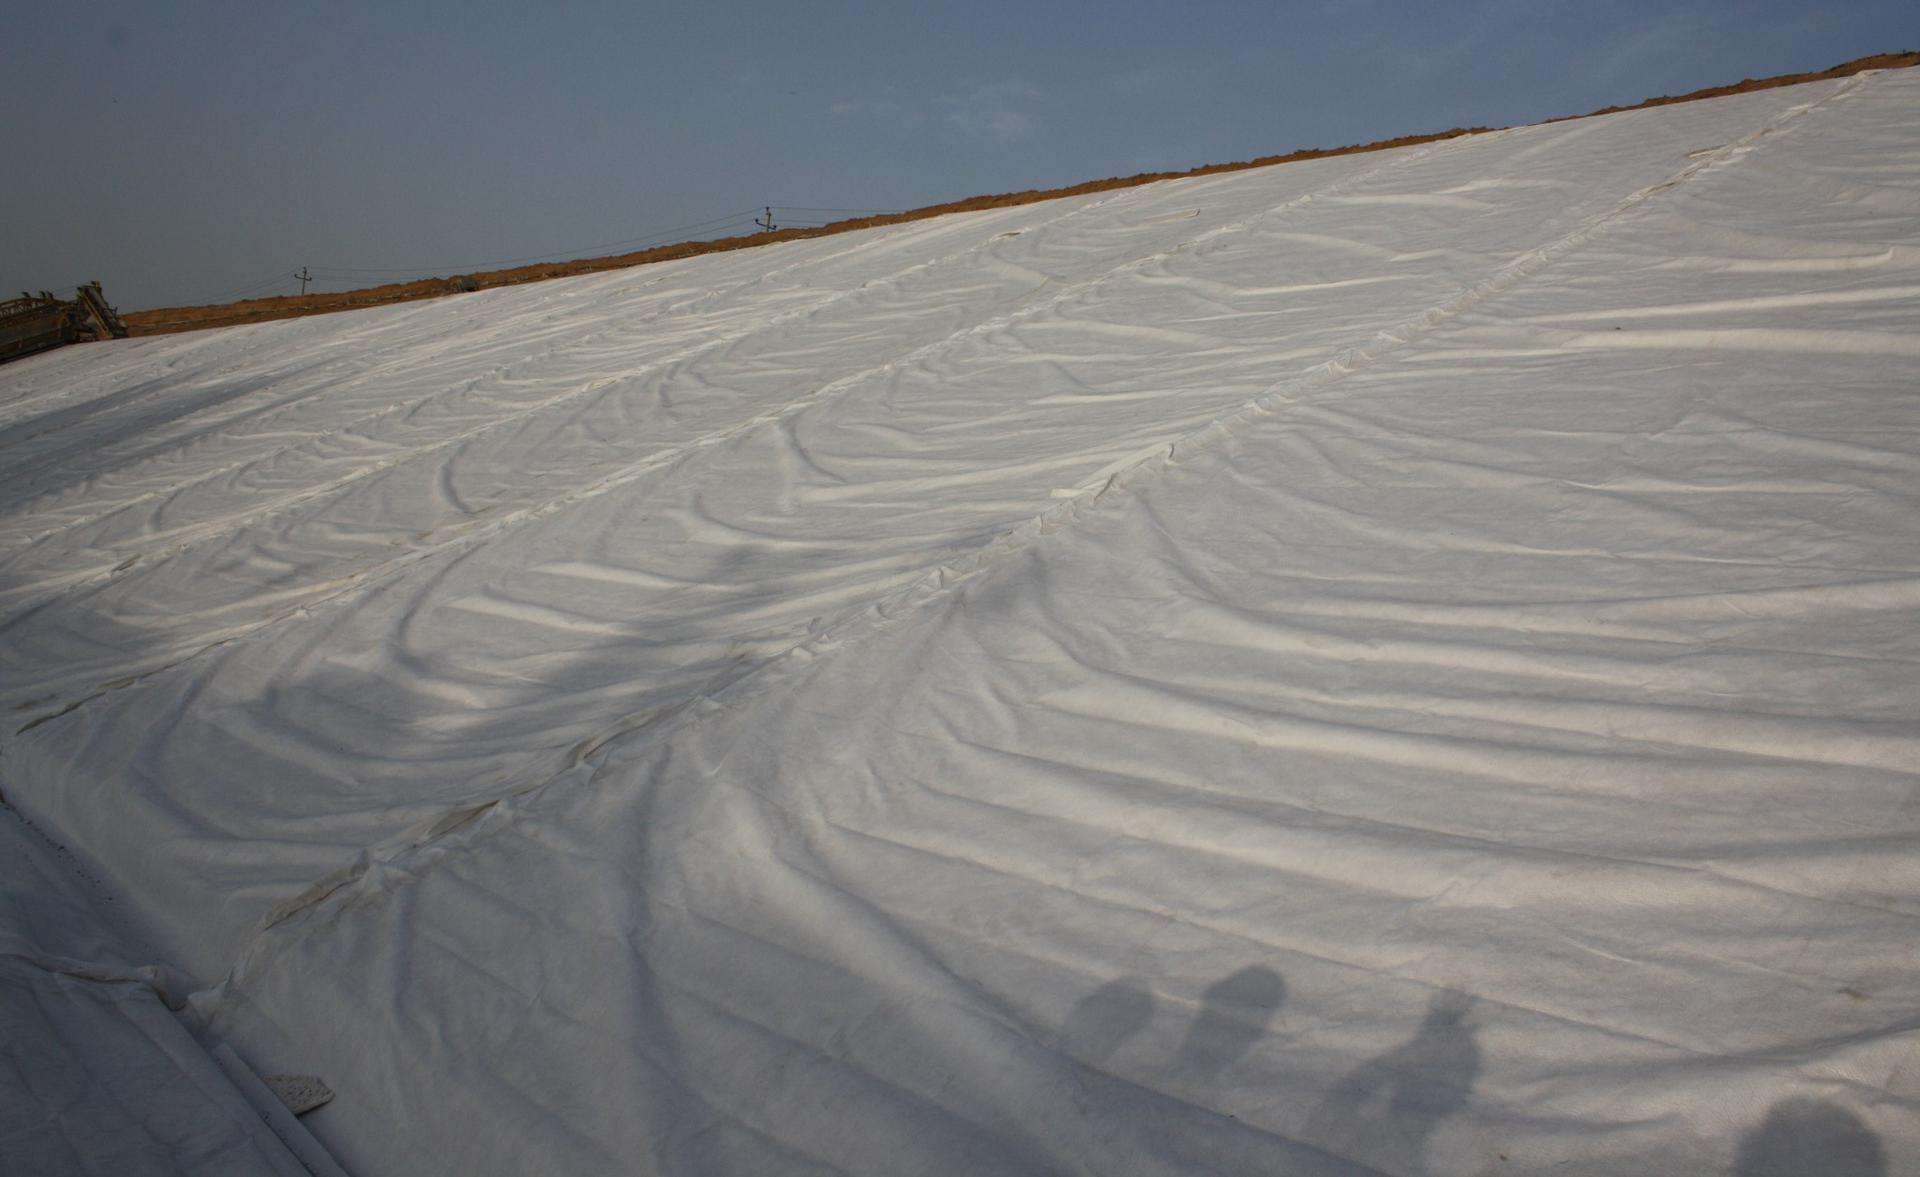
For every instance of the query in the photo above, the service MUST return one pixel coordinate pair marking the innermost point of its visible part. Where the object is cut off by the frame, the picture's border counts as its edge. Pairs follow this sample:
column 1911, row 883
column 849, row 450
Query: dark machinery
column 33, row 323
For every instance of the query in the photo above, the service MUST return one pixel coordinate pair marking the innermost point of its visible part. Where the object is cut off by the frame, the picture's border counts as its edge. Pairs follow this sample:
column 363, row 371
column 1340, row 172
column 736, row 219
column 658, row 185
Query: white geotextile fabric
column 1398, row 663
column 97, row 1075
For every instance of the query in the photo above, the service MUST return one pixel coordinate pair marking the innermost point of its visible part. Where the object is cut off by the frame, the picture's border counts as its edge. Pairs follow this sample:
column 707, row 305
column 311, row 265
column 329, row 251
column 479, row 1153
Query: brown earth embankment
column 170, row 319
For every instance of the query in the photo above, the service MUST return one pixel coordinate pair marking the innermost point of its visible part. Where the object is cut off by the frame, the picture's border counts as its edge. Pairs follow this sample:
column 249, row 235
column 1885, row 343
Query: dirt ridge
column 166, row 320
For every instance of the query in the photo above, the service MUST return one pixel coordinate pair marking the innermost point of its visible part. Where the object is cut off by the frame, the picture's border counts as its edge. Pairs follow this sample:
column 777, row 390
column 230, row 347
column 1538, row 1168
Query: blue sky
column 183, row 151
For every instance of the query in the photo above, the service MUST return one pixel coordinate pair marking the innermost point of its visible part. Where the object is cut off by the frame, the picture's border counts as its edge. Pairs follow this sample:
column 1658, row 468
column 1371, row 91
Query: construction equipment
column 33, row 323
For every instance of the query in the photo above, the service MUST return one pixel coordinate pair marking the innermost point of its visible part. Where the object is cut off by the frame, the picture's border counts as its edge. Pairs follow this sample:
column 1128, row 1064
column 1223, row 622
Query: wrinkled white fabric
column 1399, row 663
column 97, row 1075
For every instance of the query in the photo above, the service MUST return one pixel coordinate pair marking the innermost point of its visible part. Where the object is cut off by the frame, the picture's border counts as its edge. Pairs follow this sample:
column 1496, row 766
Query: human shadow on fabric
column 1102, row 1021
column 1804, row 1137
column 1234, row 1014
column 1384, row 1113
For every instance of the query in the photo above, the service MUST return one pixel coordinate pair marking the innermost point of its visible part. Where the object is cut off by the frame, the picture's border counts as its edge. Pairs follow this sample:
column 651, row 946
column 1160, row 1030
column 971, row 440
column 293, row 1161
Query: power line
column 803, row 208
column 276, row 280
column 725, row 221
column 713, row 223
column 239, row 291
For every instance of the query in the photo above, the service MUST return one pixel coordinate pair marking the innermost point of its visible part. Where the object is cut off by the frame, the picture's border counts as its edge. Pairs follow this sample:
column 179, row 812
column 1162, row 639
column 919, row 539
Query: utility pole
column 767, row 221
column 306, row 278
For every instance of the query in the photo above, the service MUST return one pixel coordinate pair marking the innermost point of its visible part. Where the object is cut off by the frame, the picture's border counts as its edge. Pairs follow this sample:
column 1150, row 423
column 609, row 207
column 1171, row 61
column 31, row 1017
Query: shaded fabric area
column 97, row 1075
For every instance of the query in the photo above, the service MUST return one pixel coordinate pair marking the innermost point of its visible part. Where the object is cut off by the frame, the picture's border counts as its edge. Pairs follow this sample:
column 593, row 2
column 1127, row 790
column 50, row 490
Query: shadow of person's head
column 1803, row 1137
column 1234, row 1014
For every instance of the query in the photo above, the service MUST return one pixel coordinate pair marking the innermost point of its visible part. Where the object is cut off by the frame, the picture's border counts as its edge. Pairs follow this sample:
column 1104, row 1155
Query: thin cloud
column 1157, row 78
column 1002, row 110
column 886, row 113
